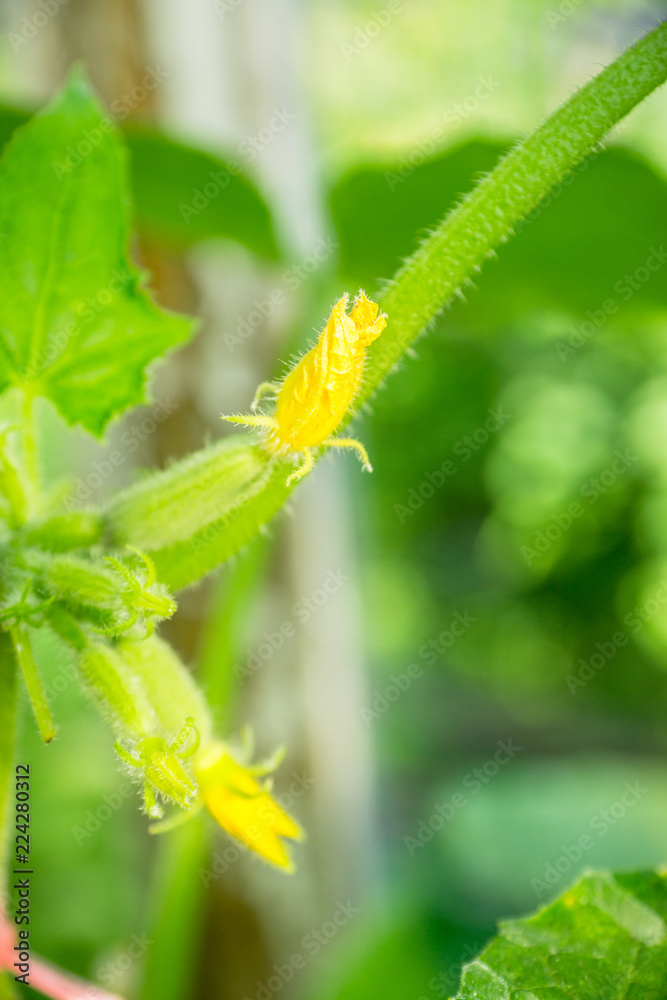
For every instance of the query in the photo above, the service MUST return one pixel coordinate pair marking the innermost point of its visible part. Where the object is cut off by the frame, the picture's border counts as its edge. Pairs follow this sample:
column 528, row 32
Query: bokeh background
column 502, row 576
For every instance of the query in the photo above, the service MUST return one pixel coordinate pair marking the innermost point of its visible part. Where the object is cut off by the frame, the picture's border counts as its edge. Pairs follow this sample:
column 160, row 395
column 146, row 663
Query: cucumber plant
column 102, row 579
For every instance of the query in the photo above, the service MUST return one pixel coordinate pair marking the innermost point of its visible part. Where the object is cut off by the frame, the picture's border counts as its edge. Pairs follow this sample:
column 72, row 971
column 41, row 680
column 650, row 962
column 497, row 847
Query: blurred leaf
column 76, row 325
column 559, row 817
column 576, row 252
column 184, row 195
column 166, row 176
column 606, row 937
column 396, row 212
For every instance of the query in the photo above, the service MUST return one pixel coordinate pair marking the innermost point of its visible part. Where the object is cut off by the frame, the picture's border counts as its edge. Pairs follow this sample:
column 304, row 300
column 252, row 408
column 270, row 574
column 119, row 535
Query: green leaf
column 604, row 938
column 75, row 324
column 168, row 179
column 184, row 195
column 398, row 208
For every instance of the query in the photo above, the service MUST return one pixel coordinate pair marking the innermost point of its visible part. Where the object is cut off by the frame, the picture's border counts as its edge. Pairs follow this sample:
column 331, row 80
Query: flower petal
column 243, row 807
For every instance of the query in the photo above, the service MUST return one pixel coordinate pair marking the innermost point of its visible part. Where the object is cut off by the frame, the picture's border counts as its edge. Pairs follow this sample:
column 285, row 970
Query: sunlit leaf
column 169, row 180
column 606, row 937
column 75, row 324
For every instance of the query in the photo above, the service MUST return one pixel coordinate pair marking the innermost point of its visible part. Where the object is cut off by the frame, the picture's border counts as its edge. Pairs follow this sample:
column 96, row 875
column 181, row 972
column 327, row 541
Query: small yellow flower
column 317, row 394
column 243, row 806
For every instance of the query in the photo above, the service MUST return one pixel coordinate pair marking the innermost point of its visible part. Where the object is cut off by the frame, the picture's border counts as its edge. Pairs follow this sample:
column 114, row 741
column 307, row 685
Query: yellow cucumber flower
column 243, row 806
column 314, row 398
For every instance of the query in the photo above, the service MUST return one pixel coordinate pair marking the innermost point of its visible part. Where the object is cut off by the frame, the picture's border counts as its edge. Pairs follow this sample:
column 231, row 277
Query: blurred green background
column 500, row 580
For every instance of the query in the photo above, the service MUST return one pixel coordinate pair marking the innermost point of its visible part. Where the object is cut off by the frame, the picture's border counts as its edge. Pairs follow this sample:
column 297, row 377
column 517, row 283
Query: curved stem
column 470, row 233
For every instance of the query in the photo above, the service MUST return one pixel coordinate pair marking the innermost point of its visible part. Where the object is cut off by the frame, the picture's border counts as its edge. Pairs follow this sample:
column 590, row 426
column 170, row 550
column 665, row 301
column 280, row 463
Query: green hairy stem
column 470, row 233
